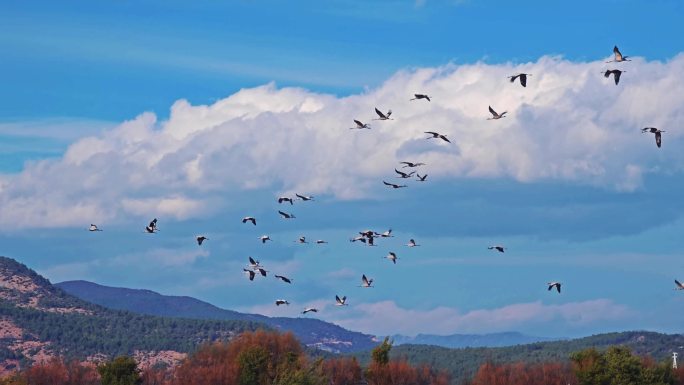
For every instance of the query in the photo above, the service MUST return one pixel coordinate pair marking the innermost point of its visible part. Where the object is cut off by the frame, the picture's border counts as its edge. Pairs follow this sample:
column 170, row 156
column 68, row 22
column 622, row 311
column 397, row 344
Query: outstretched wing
column 618, row 54
column 616, row 76
column 523, row 80
column 252, row 261
column 658, row 138
column 491, row 110
column 380, row 114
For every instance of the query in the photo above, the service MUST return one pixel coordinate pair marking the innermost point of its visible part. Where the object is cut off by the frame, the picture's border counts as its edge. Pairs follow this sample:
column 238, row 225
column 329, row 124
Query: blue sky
column 117, row 112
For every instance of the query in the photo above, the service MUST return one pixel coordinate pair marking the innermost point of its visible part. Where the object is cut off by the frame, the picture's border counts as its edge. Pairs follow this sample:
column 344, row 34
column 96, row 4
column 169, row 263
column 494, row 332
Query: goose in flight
column 412, row 243
column 152, row 227
column 285, row 199
column 201, row 239
column 264, row 238
column 657, row 132
column 437, row 135
column 365, row 282
column 616, row 75
column 251, row 273
column 421, row 178
column 383, row 116
column 404, row 175
column 249, row 219
column 679, row 285
column 302, row 239
column 283, row 278
column 392, row 257
column 310, row 309
column 93, row 228
column 557, row 285
column 304, row 197
column 618, row 56
column 360, row 125
column 285, row 215
column 254, row 264
column 393, row 185
column 420, row 96
column 500, row 249
column 340, row 301
column 281, row 302
column 495, row 115
column 321, row 242
column 523, row 78
column 411, row 164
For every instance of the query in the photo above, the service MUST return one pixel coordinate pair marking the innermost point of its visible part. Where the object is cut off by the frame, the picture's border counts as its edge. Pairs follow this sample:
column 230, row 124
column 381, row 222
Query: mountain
column 39, row 320
column 311, row 332
column 469, row 340
column 462, row 363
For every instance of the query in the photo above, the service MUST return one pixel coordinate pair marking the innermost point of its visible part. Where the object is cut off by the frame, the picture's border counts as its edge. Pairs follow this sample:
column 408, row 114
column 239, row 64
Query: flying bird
column 304, row 197
column 251, row 273
column 285, row 199
column 437, row 135
column 264, row 238
column 679, row 285
column 281, row 302
column 201, row 239
column 93, row 228
column 616, row 75
column 152, row 227
column 285, row 215
column 340, row 302
column 557, row 285
column 404, row 175
column 283, row 278
column 523, row 78
column 320, row 242
column 365, row 282
column 383, row 116
column 420, row 96
column 500, row 249
column 393, row 185
column 302, row 239
column 657, row 132
column 310, row 309
column 411, row 164
column 618, row 56
column 412, row 243
column 249, row 219
column 360, row 125
column 495, row 115
column 421, row 178
column 392, row 257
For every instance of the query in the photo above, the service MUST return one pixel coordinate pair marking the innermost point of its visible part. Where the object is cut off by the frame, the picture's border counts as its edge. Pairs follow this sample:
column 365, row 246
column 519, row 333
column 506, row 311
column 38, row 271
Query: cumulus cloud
column 569, row 124
column 386, row 317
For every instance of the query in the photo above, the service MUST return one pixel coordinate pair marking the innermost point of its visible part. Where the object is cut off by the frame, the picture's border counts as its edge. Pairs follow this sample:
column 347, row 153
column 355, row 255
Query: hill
column 39, row 320
column 462, row 363
column 456, row 341
column 311, row 332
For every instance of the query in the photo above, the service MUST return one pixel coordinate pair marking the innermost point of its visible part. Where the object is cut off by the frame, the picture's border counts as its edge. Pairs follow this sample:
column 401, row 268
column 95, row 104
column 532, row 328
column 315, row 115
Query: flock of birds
column 368, row 237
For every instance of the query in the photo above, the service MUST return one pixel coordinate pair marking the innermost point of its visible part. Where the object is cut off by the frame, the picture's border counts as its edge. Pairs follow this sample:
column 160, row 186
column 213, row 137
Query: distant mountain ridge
column 455, row 341
column 310, row 331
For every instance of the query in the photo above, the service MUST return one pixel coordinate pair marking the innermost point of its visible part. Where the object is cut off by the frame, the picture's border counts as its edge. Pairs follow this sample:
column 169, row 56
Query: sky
column 118, row 112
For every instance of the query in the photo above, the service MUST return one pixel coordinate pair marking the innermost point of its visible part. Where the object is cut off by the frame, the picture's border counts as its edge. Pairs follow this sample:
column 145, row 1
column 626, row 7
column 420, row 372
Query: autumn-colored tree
column 524, row 374
column 156, row 375
column 383, row 371
column 342, row 371
column 57, row 372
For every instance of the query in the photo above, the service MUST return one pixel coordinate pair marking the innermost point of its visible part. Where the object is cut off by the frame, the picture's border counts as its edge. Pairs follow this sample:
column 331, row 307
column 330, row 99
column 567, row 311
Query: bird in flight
column 679, row 285
column 249, row 219
column 421, row 178
column 152, row 227
column 279, row 302
column 420, row 96
column 310, row 309
column 285, row 215
column 321, row 242
column 304, row 197
column 495, row 115
column 383, row 116
column 657, row 132
column 93, row 228
column 340, row 301
column 616, row 75
column 523, row 78
column 411, row 164
column 360, row 125
column 283, row 278
column 264, row 238
column 393, row 185
column 201, row 239
column 302, row 239
column 500, row 249
column 404, row 175
column 412, row 243
column 285, row 199
column 437, row 135
column 557, row 285
column 365, row 282
column 392, row 257
column 618, row 56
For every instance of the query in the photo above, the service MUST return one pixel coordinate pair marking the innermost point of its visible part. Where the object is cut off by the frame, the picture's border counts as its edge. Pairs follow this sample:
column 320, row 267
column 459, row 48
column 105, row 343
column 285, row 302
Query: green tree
column 380, row 354
column 122, row 370
column 253, row 364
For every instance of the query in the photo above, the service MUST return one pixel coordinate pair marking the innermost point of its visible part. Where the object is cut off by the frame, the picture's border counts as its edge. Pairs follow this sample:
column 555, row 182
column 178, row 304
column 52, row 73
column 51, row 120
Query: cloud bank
column 570, row 124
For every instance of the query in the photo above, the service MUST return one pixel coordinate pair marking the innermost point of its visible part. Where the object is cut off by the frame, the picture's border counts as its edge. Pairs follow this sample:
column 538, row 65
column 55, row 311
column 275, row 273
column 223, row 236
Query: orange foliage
column 551, row 373
column 401, row 373
column 342, row 371
column 57, row 372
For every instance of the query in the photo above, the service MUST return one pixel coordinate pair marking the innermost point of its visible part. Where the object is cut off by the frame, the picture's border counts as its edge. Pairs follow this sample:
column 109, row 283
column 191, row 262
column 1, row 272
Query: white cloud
column 569, row 124
column 386, row 317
